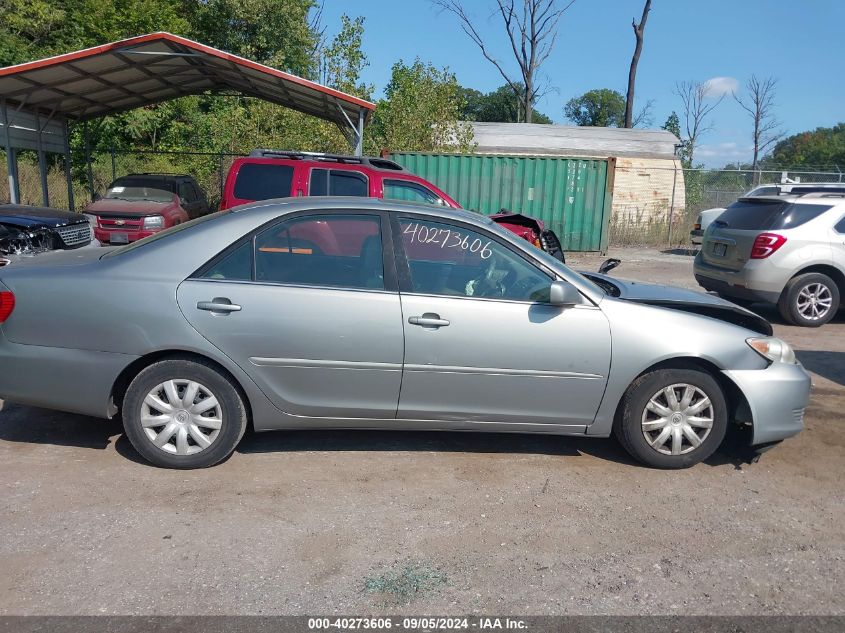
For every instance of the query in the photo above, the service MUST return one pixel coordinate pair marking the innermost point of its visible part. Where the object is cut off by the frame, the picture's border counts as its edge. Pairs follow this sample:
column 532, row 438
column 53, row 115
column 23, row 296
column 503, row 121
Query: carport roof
column 152, row 68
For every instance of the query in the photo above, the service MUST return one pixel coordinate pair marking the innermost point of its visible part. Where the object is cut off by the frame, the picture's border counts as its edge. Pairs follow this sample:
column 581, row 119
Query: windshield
column 547, row 259
column 138, row 193
column 155, row 237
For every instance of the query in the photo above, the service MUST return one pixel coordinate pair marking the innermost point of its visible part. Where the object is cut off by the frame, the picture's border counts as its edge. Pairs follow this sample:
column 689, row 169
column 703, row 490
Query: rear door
column 338, row 182
column 309, row 309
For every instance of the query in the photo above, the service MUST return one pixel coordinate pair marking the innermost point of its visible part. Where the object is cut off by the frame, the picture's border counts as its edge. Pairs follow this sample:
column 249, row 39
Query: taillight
column 766, row 244
column 696, row 226
column 7, row 304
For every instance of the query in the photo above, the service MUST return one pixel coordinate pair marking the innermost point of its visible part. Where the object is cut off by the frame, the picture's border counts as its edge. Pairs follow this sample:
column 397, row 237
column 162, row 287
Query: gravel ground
column 378, row 522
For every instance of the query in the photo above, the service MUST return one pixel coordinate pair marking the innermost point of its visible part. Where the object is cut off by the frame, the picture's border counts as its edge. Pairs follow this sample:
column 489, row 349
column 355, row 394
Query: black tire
column 230, row 411
column 788, row 304
column 628, row 427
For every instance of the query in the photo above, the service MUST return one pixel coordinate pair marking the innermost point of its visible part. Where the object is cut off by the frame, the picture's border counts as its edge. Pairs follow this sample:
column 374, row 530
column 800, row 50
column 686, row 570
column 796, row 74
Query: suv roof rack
column 370, row 161
column 154, row 173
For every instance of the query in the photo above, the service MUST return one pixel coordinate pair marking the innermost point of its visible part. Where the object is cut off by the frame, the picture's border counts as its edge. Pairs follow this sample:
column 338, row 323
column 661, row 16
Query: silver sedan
column 352, row 313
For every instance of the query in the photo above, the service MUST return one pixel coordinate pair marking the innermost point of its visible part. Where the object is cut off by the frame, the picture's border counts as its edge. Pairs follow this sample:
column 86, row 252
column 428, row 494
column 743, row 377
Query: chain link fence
column 657, row 206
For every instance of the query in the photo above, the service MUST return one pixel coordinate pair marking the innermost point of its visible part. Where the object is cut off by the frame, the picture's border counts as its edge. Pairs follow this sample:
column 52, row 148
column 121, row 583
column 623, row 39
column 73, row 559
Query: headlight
column 773, row 349
column 154, row 222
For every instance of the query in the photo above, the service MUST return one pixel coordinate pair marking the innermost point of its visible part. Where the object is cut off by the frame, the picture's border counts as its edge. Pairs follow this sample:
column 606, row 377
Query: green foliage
column 420, row 111
column 500, row 106
column 343, row 59
column 403, row 584
column 273, row 32
column 601, row 107
column 823, row 147
column 673, row 125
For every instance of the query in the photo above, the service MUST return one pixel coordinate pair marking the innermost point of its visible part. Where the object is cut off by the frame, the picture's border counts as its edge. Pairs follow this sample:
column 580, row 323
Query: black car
column 26, row 230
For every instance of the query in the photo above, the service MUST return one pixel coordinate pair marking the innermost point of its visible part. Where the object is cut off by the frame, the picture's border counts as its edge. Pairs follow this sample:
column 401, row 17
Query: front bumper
column 777, row 397
column 104, row 236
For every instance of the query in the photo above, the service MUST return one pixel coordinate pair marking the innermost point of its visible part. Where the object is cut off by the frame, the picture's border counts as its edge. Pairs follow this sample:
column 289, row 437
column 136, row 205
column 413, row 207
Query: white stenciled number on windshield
column 447, row 238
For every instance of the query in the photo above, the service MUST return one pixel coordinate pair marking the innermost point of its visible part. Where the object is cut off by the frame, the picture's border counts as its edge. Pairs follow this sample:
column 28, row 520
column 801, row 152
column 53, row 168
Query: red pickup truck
column 266, row 174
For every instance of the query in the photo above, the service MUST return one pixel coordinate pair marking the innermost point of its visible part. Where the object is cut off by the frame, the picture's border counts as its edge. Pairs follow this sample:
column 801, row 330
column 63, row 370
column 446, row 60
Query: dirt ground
column 378, row 522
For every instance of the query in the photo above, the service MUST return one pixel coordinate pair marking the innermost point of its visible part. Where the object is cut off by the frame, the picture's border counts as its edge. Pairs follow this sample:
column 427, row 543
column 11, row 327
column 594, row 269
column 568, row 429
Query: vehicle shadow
column 691, row 251
column 830, row 365
column 31, row 425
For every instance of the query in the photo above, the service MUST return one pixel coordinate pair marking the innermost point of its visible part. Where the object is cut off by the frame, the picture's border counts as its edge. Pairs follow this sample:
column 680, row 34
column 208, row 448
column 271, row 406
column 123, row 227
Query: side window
column 840, row 226
column 451, row 260
column 186, row 192
column 338, row 182
column 410, row 191
column 236, row 266
column 263, row 181
column 342, row 251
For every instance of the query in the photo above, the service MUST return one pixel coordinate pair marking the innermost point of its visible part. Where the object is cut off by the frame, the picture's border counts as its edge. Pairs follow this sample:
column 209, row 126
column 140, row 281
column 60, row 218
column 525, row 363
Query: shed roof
column 566, row 140
column 157, row 67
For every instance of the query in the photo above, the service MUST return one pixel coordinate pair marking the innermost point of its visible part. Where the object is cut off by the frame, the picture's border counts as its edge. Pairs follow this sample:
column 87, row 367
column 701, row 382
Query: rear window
column 768, row 215
column 261, row 181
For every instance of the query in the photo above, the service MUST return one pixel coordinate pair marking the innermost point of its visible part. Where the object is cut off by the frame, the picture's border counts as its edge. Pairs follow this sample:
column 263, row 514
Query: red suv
column 267, row 174
column 139, row 205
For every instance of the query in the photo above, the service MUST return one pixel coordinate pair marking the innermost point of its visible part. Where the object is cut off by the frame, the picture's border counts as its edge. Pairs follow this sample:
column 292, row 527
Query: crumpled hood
column 138, row 208
column 688, row 301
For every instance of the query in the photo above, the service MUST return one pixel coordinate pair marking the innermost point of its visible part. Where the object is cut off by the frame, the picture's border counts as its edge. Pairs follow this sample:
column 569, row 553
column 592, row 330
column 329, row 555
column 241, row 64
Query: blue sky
column 802, row 44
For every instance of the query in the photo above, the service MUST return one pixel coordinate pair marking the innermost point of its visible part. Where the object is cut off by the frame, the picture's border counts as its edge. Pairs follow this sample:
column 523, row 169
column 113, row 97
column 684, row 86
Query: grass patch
column 405, row 583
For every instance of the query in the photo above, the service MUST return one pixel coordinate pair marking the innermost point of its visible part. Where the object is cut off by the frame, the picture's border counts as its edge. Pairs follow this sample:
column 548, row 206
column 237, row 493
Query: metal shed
column 39, row 98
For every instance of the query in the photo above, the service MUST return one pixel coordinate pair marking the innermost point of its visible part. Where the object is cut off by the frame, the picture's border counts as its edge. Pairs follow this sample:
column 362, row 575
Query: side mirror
column 563, row 293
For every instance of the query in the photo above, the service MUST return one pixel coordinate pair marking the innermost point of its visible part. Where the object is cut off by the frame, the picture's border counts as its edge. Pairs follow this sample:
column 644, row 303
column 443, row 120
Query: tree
column 673, row 125
column 531, row 33
column 602, row 107
column 420, row 111
column 760, row 107
column 822, row 148
column 639, row 32
column 500, row 106
column 697, row 109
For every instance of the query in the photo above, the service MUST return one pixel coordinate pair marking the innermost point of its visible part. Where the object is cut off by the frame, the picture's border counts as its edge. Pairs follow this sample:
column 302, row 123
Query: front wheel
column 809, row 300
column 672, row 418
column 181, row 413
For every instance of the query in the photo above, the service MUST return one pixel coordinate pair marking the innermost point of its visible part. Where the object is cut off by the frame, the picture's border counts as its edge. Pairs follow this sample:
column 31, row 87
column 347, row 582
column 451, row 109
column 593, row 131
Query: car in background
column 705, row 218
column 786, row 249
column 351, row 313
column 138, row 205
column 29, row 230
column 267, row 174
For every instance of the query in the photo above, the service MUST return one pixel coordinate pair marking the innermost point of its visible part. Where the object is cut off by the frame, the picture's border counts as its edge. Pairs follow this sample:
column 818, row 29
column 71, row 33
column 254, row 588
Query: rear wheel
column 809, row 300
column 672, row 418
column 183, row 414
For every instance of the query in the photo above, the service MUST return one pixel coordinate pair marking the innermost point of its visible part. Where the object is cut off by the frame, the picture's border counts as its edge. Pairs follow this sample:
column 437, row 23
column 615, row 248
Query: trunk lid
column 730, row 237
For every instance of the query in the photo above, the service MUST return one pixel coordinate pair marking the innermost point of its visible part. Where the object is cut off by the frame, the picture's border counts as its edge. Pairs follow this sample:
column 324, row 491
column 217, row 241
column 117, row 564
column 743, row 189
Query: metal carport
column 39, row 98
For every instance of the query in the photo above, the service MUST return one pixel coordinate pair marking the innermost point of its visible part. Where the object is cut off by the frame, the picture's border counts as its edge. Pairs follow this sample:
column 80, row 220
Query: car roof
column 811, row 197
column 373, row 162
column 362, row 203
column 154, row 176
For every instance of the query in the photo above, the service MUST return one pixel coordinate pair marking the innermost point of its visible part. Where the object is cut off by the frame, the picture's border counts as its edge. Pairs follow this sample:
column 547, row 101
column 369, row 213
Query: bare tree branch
column 696, row 110
column 760, row 107
column 639, row 33
column 532, row 33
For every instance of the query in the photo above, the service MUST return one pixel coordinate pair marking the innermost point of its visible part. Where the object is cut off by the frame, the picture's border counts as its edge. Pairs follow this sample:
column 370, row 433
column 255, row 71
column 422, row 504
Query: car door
column 482, row 343
column 309, row 309
column 338, row 182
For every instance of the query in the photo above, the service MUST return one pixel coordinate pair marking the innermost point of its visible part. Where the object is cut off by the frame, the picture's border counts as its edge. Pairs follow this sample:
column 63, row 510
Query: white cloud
column 720, row 154
column 720, row 86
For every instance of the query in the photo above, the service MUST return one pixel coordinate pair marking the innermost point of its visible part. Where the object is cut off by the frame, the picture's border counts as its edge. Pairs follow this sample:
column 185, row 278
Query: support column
column 68, row 171
column 11, row 159
column 359, row 145
column 88, row 160
column 42, row 161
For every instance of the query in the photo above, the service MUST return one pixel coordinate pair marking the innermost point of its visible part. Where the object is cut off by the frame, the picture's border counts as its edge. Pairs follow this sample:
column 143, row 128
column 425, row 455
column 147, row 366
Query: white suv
column 788, row 250
column 707, row 216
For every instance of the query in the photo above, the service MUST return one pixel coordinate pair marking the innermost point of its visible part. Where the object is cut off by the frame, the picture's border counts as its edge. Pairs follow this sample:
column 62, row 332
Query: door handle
column 218, row 304
column 429, row 319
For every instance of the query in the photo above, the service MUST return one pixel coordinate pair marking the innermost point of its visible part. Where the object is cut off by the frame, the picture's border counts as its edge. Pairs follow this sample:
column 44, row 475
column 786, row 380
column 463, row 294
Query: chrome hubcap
column 814, row 301
column 181, row 417
column 677, row 419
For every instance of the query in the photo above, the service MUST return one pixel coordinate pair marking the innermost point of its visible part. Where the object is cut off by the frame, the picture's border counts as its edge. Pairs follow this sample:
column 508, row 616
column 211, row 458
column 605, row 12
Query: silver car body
column 724, row 265
column 310, row 357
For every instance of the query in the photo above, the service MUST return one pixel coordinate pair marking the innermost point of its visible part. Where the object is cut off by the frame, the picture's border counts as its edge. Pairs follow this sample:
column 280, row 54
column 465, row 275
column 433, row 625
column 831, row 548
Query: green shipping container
column 570, row 195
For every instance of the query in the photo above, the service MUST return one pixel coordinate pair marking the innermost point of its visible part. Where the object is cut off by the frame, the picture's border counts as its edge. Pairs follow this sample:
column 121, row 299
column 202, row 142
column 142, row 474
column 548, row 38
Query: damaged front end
column 15, row 240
